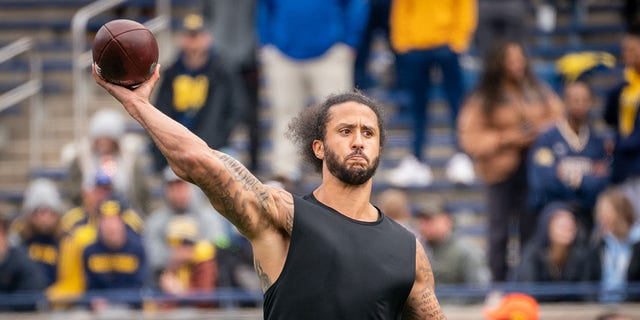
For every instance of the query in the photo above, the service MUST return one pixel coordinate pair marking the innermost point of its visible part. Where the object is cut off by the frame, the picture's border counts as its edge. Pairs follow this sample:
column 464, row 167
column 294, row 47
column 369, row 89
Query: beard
column 351, row 175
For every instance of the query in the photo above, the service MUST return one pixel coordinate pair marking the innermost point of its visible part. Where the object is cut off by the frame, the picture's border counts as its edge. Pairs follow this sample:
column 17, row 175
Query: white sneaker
column 410, row 173
column 460, row 169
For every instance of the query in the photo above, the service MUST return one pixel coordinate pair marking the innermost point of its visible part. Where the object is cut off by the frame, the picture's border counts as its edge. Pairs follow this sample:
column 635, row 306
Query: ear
column 318, row 149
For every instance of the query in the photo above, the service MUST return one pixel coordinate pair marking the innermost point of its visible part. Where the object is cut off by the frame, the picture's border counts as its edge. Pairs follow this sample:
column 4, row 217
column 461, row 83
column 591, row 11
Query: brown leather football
column 125, row 52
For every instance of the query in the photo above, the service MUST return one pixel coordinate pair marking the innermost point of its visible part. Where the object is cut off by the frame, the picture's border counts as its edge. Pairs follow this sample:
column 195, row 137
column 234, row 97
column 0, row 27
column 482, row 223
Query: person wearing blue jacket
column 116, row 260
column 307, row 52
column 568, row 162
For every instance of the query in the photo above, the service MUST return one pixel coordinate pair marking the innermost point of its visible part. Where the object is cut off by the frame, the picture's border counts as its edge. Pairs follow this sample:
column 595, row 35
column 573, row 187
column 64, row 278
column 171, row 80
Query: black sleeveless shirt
column 340, row 268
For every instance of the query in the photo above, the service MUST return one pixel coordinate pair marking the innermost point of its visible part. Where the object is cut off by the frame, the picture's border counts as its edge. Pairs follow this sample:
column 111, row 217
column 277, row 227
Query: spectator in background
column 88, row 214
column 615, row 252
column 499, row 21
column 453, row 259
column 107, row 150
column 558, row 253
column 378, row 22
column 18, row 273
column 496, row 127
column 569, row 162
column 191, row 268
column 621, row 113
column 308, row 52
column 81, row 226
column 197, row 90
column 181, row 200
column 396, row 205
column 116, row 259
column 39, row 227
column 234, row 30
column 430, row 34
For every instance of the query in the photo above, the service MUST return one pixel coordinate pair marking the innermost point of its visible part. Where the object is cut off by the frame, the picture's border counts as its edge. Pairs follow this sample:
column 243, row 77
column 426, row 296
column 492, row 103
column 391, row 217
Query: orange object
column 515, row 306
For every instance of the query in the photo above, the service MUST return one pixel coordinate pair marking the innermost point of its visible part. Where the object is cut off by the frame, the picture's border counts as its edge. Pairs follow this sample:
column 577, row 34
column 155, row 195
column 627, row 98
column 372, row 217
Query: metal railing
column 82, row 57
column 32, row 90
column 224, row 298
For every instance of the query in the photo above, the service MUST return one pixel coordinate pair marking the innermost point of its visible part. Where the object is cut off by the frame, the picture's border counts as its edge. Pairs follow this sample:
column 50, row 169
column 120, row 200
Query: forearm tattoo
column 423, row 304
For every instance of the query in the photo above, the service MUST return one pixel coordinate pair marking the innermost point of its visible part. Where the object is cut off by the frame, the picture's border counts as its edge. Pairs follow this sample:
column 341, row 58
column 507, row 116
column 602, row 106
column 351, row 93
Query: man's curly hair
column 311, row 123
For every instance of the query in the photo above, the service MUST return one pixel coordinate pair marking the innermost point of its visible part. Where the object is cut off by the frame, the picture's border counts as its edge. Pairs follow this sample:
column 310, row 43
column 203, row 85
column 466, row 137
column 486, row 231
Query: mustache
column 358, row 152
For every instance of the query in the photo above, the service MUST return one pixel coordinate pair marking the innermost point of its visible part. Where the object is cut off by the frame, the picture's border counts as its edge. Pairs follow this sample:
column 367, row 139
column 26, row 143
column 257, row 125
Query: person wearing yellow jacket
column 428, row 34
column 87, row 253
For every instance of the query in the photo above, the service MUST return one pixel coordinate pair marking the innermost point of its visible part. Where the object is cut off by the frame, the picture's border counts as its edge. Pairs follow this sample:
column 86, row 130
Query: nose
column 358, row 142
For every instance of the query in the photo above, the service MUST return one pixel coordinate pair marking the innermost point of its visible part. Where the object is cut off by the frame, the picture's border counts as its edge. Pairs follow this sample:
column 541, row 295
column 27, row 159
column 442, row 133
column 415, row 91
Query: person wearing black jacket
column 18, row 274
column 198, row 89
column 558, row 252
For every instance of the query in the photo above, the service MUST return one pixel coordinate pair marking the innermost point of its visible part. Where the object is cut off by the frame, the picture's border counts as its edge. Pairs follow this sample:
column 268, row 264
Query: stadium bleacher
column 600, row 30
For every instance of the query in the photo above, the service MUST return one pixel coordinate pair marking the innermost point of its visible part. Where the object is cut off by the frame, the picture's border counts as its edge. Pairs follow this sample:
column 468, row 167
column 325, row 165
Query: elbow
column 189, row 165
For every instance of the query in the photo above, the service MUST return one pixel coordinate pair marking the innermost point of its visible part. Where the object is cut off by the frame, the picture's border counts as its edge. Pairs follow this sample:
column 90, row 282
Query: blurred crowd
column 560, row 178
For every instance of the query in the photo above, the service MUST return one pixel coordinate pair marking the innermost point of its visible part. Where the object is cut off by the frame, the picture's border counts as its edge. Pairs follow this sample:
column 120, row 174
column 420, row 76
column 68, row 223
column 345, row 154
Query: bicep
column 422, row 302
column 241, row 198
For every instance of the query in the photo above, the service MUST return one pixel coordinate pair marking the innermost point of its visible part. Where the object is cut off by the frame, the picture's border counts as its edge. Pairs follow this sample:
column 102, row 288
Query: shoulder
column 473, row 101
column 71, row 218
column 616, row 89
column 399, row 229
column 464, row 245
column 218, row 64
column 173, row 68
column 157, row 218
column 133, row 220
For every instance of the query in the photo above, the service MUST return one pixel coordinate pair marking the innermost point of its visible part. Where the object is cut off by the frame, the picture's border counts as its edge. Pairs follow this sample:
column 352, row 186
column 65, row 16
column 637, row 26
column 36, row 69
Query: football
column 125, row 52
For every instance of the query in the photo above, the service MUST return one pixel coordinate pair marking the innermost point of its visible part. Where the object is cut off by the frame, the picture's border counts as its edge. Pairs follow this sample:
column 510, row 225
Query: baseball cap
column 431, row 209
column 102, row 179
column 182, row 230
column 515, row 306
column 193, row 23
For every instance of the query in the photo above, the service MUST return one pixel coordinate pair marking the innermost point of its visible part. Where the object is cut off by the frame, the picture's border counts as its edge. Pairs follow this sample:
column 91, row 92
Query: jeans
column 414, row 77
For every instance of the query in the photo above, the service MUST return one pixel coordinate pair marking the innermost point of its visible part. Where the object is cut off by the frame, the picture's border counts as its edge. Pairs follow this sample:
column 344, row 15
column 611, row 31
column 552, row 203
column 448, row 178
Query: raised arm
column 422, row 302
column 238, row 195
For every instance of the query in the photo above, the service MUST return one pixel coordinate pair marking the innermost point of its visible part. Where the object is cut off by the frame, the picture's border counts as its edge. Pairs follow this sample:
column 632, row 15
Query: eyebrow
column 353, row 125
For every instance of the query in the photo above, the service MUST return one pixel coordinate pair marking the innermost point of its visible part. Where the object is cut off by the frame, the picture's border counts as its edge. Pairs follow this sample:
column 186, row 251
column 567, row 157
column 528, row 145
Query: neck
column 575, row 125
column 621, row 233
column 558, row 254
column 513, row 84
column 351, row 201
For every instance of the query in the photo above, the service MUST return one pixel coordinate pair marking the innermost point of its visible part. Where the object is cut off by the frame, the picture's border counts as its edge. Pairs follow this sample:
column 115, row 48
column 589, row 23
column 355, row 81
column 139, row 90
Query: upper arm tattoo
column 265, row 282
column 238, row 195
column 284, row 201
column 422, row 302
